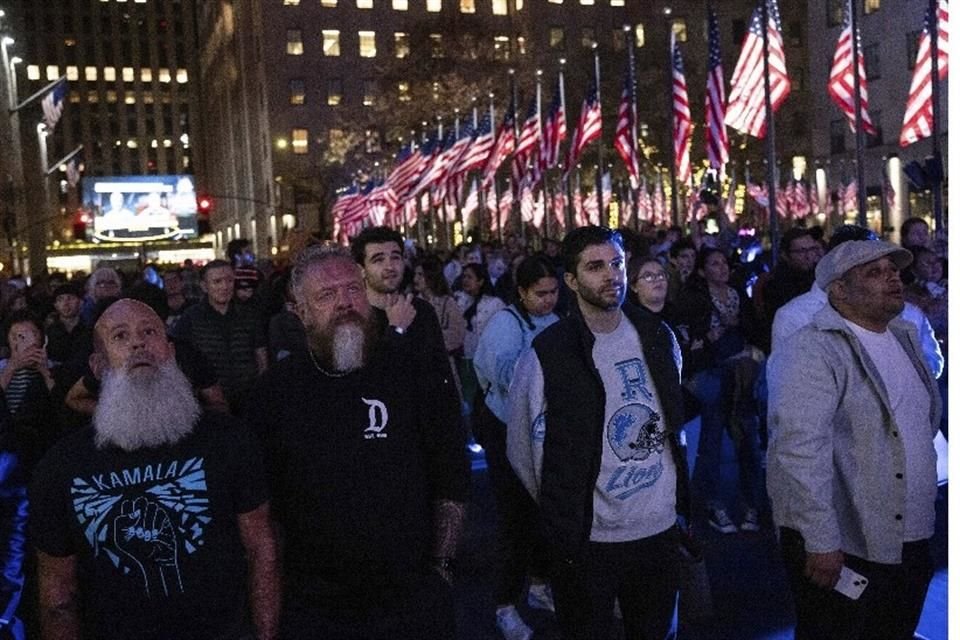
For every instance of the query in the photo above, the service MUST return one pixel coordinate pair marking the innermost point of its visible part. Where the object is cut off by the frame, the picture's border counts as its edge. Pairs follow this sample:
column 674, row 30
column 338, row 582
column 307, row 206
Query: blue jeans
column 715, row 388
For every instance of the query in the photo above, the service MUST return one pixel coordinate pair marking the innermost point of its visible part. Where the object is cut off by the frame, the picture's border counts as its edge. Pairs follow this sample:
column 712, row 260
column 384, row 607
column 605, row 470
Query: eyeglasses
column 659, row 276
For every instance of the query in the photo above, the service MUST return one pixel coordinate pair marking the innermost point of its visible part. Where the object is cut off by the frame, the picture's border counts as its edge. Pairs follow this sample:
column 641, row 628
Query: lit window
column 436, row 45
column 73, row 73
column 403, row 91
column 132, row 143
column 401, row 44
column 557, row 38
column 587, row 37
column 368, row 44
column 146, row 74
column 679, row 27
column 294, row 42
column 110, row 74
column 291, row 3
column 300, row 138
column 90, row 74
column 147, row 97
column 182, row 76
column 400, row 5
column 53, row 72
column 521, row 45
column 328, row 3
column 74, row 97
column 871, row 6
column 369, row 92
column 111, row 96
column 586, row 2
column 556, row 1
column 364, row 4
column 334, row 91
column 163, row 74
column 331, row 42
column 129, row 97
column 127, row 74
column 434, row 6
column 500, row 7
column 501, row 48
column 93, row 97
column 518, row 5
column 617, row 3
column 468, row 6
column 639, row 35
column 298, row 92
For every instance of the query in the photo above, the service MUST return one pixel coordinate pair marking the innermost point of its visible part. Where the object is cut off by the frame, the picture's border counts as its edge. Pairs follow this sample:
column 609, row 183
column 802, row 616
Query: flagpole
column 565, row 172
column 516, row 137
column 674, row 195
column 631, row 70
column 493, row 188
column 771, row 146
column 539, row 157
column 596, row 80
column 64, row 160
column 935, row 97
column 858, row 115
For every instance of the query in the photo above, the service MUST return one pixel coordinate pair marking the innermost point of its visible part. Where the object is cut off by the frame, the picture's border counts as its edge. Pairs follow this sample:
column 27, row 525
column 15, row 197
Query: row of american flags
column 436, row 173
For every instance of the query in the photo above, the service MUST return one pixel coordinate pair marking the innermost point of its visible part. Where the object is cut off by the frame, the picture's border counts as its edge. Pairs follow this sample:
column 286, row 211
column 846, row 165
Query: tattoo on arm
column 448, row 519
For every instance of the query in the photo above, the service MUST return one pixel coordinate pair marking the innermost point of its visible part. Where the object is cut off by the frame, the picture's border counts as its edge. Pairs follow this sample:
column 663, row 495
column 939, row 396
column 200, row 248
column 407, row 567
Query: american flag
column 527, row 144
column 502, row 148
column 623, row 140
column 718, row 145
column 429, row 151
column 52, row 105
column 746, row 110
column 589, row 129
column 841, row 83
column 434, row 171
column 918, row 119
column 344, row 202
column 472, row 201
column 382, row 202
column 591, row 208
column 554, row 129
column 682, row 129
column 506, row 207
column 479, row 152
column 659, row 202
column 405, row 172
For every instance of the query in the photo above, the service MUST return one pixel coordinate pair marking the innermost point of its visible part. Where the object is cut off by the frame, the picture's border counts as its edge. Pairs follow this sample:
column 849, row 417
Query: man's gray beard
column 347, row 347
column 142, row 411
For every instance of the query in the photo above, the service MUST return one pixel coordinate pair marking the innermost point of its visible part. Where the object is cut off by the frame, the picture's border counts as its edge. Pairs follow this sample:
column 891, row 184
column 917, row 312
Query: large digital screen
column 141, row 208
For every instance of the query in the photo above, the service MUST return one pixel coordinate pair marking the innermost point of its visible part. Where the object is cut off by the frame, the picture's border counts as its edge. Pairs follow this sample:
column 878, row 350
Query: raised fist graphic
column 145, row 536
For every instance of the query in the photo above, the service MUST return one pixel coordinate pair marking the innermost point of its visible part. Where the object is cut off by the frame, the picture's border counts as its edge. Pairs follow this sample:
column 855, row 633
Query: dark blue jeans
column 644, row 575
column 888, row 609
column 715, row 390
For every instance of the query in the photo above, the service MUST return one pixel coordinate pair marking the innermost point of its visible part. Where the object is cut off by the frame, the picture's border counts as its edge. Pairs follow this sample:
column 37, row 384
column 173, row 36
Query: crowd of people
column 258, row 450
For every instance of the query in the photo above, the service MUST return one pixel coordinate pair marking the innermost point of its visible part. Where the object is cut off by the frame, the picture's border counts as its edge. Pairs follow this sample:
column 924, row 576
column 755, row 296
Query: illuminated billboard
column 141, row 208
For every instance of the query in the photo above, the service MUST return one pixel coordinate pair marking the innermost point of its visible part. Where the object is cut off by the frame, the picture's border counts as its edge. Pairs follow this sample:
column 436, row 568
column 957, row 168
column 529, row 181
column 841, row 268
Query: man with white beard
column 149, row 522
column 368, row 481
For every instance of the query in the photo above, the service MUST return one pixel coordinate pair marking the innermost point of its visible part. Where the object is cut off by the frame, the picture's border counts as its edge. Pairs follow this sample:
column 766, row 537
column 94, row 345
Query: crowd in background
column 232, row 318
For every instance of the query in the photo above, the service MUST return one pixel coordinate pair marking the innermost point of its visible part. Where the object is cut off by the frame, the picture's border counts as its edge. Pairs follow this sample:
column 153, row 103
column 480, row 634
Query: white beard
column 141, row 411
column 349, row 342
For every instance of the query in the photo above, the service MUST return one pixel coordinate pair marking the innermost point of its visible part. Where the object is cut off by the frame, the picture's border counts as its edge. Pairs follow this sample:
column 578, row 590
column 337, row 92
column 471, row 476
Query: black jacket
column 575, row 400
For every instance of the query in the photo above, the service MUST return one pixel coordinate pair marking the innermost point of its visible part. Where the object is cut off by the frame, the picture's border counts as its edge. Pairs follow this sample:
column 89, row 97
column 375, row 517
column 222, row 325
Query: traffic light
column 204, row 205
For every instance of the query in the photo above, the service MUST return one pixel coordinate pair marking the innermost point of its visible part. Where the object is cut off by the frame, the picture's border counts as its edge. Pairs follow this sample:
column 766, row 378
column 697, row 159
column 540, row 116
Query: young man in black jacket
column 593, row 433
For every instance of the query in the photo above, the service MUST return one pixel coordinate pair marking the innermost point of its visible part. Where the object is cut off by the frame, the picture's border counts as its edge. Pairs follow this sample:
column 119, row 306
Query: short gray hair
column 311, row 256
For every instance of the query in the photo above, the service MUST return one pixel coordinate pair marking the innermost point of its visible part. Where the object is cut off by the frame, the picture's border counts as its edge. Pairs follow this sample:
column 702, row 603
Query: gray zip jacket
column 835, row 462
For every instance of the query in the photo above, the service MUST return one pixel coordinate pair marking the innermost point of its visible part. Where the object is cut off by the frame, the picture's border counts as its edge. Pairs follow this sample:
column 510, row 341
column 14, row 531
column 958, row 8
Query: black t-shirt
column 154, row 531
column 354, row 463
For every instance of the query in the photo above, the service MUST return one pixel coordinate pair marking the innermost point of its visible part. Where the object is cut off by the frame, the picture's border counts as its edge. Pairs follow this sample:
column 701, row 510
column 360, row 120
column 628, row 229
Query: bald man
column 144, row 520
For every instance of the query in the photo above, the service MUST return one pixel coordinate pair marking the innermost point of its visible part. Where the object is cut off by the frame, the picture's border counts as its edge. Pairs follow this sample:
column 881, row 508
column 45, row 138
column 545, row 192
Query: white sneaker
column 539, row 596
column 720, row 521
column 511, row 625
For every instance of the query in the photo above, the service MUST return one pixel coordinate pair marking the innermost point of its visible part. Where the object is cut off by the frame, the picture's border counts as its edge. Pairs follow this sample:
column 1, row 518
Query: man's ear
column 571, row 281
column 98, row 364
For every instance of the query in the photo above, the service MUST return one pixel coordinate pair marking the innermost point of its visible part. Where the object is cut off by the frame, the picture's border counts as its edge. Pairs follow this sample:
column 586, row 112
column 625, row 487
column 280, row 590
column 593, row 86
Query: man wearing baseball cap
column 851, row 463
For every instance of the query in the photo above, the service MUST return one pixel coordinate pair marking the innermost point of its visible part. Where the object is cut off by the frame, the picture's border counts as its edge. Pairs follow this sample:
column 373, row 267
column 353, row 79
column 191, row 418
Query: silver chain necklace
column 330, row 374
